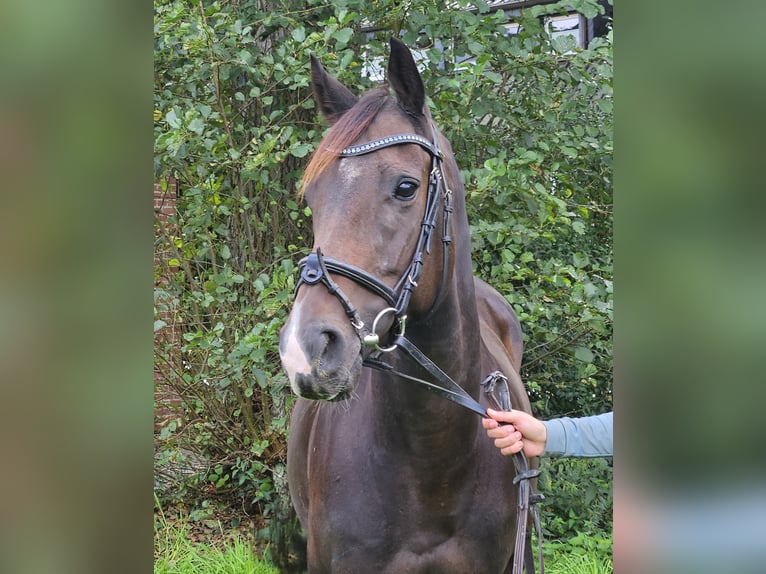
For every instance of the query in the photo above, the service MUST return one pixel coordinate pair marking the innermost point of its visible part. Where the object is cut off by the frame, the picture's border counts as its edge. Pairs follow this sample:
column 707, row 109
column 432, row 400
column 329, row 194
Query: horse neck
column 411, row 417
column 449, row 335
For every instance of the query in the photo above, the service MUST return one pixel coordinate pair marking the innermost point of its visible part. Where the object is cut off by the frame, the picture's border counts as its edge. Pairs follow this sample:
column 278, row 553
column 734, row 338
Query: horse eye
column 406, row 189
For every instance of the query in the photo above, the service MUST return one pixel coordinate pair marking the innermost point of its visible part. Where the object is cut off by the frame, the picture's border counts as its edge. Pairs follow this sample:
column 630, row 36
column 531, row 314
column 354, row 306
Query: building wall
column 166, row 401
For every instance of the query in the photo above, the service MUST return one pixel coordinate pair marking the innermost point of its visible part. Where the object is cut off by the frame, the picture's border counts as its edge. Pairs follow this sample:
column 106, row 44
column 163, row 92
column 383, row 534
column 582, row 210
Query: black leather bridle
column 316, row 268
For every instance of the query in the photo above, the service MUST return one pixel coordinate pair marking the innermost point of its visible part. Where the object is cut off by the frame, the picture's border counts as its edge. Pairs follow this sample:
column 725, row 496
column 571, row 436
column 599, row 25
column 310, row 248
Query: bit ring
column 373, row 339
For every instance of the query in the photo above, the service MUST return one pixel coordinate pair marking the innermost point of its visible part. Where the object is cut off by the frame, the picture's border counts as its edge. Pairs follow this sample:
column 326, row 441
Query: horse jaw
column 321, row 363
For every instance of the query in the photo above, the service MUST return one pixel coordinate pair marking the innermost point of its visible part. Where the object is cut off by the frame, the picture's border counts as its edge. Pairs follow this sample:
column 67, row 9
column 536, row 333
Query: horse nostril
column 333, row 350
column 332, row 341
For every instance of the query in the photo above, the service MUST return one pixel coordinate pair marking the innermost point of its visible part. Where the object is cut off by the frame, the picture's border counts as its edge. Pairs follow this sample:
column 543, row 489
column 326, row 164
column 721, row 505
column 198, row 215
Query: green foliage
column 578, row 497
column 532, row 129
column 530, row 122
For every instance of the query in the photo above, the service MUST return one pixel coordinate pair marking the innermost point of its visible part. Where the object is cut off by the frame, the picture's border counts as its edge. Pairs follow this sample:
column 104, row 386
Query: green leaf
column 583, row 354
column 300, row 150
column 246, row 57
column 261, row 378
column 197, row 126
column 173, row 120
column 570, row 152
column 605, row 105
column 343, row 36
column 580, row 260
column 299, row 34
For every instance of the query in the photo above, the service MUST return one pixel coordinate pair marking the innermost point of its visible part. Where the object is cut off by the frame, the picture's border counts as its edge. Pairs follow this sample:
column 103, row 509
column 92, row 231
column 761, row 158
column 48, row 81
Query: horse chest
column 397, row 540
column 394, row 549
column 386, row 517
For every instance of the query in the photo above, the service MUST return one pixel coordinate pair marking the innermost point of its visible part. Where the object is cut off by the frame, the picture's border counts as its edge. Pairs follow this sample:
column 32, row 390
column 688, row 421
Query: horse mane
column 346, row 131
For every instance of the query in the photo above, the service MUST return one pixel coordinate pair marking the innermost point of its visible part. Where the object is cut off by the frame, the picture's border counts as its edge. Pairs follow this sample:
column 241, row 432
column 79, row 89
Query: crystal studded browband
column 389, row 141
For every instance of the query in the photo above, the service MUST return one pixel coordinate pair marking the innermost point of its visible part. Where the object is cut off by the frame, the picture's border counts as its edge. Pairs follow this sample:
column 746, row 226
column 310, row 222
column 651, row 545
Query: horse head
column 370, row 187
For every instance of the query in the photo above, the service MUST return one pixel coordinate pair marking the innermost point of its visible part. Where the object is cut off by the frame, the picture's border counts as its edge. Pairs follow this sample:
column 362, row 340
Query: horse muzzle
column 323, row 361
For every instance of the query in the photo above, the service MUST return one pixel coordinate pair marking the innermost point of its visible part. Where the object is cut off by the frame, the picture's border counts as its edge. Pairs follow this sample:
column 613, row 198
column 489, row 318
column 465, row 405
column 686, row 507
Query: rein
column 316, row 268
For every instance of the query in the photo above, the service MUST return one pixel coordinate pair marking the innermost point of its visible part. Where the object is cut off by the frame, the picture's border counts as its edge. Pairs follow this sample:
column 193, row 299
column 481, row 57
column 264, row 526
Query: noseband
column 316, row 267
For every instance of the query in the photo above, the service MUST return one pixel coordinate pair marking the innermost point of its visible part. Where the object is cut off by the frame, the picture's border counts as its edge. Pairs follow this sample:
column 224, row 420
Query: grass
column 189, row 558
column 573, row 563
column 176, row 553
column 581, row 555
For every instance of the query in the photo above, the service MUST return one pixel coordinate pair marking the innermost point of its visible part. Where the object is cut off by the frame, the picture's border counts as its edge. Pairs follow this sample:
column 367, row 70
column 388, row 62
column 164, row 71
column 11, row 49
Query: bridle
column 316, row 268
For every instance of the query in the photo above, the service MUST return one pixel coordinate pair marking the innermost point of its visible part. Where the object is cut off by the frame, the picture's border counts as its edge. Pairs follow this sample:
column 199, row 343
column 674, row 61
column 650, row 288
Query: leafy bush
column 530, row 122
column 578, row 497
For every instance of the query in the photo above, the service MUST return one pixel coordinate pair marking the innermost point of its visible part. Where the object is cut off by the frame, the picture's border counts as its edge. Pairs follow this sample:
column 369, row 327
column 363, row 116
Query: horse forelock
column 344, row 133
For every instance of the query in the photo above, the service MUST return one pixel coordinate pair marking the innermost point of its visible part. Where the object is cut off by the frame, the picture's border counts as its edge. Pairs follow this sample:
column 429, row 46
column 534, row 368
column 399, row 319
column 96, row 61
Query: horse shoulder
column 499, row 321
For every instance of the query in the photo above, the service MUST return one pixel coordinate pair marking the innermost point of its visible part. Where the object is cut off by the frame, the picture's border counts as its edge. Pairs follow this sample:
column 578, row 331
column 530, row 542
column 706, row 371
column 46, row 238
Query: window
column 511, row 29
column 372, row 67
column 569, row 25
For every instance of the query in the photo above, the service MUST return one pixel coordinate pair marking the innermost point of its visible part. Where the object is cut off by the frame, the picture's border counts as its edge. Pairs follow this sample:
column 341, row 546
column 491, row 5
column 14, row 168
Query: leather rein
column 316, row 268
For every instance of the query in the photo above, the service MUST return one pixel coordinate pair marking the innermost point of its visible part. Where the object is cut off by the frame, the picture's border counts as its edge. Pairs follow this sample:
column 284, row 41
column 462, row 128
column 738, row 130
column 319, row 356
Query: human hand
column 524, row 432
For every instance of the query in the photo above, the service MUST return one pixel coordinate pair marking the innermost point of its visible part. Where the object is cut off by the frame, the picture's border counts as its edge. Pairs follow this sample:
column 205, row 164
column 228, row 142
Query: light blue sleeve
column 581, row 437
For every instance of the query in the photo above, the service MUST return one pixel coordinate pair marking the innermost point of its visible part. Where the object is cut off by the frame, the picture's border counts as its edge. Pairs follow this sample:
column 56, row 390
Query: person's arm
column 581, row 437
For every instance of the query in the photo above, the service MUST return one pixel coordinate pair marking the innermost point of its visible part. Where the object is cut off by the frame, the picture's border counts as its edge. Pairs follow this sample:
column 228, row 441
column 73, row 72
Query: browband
column 389, row 141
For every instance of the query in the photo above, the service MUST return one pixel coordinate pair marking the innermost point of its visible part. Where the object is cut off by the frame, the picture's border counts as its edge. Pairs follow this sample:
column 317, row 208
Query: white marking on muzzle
column 293, row 357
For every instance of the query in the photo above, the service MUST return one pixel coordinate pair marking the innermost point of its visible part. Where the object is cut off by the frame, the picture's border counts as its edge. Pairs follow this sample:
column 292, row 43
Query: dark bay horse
column 386, row 476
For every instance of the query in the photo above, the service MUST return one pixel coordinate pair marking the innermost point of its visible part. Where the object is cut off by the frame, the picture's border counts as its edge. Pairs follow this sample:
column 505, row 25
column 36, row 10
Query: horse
column 385, row 475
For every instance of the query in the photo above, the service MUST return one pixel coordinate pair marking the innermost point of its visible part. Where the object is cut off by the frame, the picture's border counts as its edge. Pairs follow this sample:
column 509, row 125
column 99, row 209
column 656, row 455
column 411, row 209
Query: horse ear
column 404, row 77
column 333, row 98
